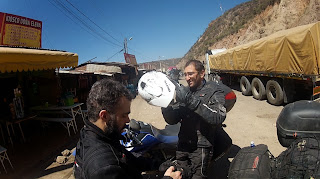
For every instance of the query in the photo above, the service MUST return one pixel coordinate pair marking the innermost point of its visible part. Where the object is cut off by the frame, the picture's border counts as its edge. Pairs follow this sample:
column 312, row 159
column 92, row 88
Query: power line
column 92, row 21
column 99, row 11
column 100, row 28
column 89, row 61
column 72, row 19
column 114, row 54
column 141, row 54
column 75, row 22
column 76, row 16
column 73, row 15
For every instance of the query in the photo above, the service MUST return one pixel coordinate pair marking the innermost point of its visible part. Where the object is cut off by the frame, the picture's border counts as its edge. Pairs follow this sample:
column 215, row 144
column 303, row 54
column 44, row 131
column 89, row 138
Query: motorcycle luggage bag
column 297, row 120
column 251, row 162
column 299, row 160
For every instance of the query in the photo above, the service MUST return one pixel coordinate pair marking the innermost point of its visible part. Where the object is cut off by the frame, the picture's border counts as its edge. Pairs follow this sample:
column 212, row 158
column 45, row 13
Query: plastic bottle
column 252, row 144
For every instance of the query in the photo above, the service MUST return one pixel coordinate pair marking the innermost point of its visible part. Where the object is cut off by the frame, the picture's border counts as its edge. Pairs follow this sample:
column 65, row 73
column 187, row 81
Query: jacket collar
column 199, row 87
column 89, row 126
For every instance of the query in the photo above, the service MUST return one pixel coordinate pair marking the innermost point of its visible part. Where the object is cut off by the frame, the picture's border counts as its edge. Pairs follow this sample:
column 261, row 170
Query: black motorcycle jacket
column 101, row 156
column 206, row 103
column 206, row 114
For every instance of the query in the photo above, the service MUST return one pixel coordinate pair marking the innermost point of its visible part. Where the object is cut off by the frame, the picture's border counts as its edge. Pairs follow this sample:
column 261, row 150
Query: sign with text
column 130, row 59
column 19, row 31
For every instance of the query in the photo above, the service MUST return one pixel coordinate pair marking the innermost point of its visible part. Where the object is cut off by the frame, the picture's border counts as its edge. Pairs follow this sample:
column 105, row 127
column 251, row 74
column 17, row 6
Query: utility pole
column 126, row 44
column 160, row 63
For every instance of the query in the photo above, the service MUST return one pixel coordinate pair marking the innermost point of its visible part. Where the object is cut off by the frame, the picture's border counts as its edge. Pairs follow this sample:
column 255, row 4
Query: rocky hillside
column 161, row 65
column 250, row 21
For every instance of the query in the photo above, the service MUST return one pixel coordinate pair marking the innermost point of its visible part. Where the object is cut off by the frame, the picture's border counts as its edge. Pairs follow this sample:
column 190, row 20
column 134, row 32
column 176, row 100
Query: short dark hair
column 105, row 94
column 196, row 63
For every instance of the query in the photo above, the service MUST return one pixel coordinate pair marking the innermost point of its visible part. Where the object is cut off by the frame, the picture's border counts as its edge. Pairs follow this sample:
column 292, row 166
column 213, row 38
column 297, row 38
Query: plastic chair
column 4, row 156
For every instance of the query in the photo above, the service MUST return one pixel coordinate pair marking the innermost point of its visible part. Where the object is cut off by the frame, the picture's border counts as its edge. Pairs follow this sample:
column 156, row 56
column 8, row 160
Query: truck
column 282, row 67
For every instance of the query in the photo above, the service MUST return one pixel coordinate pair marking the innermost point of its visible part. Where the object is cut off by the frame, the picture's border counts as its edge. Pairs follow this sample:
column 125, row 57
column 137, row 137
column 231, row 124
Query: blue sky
column 160, row 29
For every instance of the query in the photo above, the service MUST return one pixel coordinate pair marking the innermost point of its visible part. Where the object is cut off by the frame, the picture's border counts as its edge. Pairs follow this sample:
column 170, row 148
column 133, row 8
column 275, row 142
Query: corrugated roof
column 96, row 68
column 120, row 64
column 102, row 68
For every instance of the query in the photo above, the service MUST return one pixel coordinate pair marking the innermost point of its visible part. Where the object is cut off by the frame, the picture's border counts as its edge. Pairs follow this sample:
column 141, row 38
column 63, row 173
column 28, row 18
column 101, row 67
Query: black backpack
column 251, row 162
column 300, row 160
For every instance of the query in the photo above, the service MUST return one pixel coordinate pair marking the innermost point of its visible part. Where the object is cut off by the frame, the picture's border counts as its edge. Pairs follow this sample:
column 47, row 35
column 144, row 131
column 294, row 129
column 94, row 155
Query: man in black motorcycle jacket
column 200, row 110
column 98, row 152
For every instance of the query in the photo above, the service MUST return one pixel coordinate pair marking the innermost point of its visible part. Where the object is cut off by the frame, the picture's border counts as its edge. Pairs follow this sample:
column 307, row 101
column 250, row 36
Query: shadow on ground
column 30, row 159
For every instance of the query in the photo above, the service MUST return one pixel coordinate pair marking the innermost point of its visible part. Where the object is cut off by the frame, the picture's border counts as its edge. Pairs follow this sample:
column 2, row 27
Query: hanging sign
column 130, row 59
column 19, row 31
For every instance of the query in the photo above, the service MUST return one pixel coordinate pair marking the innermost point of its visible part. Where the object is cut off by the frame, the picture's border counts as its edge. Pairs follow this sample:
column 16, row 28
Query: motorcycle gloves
column 181, row 93
column 208, row 104
column 171, row 114
column 192, row 101
column 185, row 98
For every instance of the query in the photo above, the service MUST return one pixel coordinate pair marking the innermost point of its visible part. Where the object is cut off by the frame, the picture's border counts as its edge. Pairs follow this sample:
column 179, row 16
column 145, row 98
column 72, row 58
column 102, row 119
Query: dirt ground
column 249, row 120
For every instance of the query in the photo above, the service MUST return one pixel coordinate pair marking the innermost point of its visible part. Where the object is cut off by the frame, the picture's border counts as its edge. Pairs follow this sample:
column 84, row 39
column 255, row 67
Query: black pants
column 197, row 162
column 196, row 140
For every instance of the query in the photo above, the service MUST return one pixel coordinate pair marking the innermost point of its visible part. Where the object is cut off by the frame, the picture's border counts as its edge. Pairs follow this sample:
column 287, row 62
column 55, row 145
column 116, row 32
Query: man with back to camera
column 98, row 152
column 200, row 109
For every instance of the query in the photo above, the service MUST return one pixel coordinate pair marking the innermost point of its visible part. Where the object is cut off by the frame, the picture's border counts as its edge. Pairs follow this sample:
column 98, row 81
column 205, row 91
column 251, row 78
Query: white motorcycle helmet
column 156, row 89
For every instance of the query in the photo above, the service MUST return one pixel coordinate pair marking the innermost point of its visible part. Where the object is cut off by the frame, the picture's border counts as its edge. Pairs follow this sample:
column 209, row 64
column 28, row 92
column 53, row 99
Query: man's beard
column 113, row 128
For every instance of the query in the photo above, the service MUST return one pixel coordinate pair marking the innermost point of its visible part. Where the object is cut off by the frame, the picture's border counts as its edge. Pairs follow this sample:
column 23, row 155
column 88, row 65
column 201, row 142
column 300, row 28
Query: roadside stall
column 78, row 81
column 28, row 79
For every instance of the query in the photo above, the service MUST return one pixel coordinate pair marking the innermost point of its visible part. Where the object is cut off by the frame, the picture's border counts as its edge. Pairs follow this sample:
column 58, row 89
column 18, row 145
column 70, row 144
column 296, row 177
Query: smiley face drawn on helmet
column 156, row 89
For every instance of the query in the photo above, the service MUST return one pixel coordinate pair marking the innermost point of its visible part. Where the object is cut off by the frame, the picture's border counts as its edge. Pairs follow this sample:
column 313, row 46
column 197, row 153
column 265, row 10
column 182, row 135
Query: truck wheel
column 258, row 89
column 245, row 86
column 274, row 92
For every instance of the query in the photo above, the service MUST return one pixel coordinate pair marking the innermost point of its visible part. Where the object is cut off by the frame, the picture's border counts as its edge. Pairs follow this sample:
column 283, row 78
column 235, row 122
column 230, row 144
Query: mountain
column 250, row 21
column 161, row 65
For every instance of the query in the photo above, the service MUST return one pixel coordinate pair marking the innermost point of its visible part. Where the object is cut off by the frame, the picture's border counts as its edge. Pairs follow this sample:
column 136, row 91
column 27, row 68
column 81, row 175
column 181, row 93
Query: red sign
column 19, row 31
column 130, row 59
column 1, row 22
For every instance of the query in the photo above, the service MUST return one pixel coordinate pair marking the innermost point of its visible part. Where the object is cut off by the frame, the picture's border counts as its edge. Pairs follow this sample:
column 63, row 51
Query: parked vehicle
column 143, row 139
column 282, row 67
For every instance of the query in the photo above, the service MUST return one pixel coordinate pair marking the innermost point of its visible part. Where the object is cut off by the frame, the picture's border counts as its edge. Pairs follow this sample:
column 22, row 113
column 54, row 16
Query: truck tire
column 258, row 89
column 274, row 92
column 245, row 86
